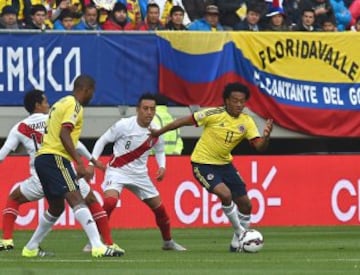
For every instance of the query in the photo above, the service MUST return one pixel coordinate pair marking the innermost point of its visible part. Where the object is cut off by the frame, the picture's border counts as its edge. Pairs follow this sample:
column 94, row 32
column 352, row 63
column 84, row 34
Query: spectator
column 25, row 7
column 342, row 14
column 38, row 17
column 277, row 20
column 251, row 21
column 136, row 10
column 307, row 21
column 292, row 10
column 65, row 21
column 118, row 19
column 176, row 19
column 328, row 25
column 356, row 26
column 165, row 10
column 74, row 6
column 152, row 21
column 228, row 12
column 90, row 19
column 322, row 9
column 210, row 22
column 195, row 8
column 261, row 7
column 354, row 10
column 8, row 18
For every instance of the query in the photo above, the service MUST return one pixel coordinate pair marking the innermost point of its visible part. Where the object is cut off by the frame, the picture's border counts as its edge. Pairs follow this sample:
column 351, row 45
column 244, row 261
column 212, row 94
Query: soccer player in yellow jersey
column 56, row 174
column 224, row 128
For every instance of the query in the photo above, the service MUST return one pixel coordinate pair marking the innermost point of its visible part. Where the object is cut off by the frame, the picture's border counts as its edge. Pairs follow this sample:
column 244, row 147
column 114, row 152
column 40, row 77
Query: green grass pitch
column 287, row 250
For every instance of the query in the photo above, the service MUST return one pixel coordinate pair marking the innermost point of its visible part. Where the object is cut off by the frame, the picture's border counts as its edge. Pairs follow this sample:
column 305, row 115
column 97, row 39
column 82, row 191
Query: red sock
column 102, row 222
column 109, row 205
column 163, row 222
column 10, row 213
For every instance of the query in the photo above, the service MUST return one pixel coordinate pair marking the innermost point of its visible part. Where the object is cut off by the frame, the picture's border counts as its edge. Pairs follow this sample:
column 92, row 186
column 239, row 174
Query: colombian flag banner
column 306, row 82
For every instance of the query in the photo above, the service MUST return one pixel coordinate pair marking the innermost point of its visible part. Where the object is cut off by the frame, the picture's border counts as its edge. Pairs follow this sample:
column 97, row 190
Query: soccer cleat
column 87, row 248
column 116, row 247
column 172, row 245
column 38, row 252
column 105, row 251
column 235, row 243
column 6, row 245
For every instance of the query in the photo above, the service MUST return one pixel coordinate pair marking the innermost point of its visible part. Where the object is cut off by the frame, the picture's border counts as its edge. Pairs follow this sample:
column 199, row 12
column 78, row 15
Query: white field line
column 54, row 260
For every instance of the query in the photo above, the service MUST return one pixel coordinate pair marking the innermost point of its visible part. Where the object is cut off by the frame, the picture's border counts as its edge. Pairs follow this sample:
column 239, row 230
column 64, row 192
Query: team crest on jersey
column 241, row 128
column 201, row 116
column 210, row 176
column 73, row 118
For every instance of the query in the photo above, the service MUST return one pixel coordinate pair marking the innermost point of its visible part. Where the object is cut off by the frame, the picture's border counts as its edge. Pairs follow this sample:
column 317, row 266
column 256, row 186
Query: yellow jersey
column 65, row 112
column 221, row 134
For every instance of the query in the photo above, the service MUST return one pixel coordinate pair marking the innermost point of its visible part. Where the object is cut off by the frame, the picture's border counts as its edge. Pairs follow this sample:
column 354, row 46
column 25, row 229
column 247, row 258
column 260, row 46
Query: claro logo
column 195, row 204
column 341, row 189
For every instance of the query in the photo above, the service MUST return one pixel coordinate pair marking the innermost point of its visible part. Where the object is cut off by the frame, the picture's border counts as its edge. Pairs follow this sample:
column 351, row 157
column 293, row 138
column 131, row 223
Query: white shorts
column 32, row 189
column 140, row 185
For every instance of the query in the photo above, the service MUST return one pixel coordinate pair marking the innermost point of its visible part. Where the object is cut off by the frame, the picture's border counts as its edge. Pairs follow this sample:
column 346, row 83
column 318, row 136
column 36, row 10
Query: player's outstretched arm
column 262, row 143
column 4, row 151
column 11, row 143
column 101, row 143
column 83, row 151
column 183, row 121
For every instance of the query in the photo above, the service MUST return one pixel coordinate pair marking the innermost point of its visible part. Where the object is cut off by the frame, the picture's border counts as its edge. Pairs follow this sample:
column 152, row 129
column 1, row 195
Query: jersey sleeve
column 11, row 143
column 202, row 117
column 112, row 134
column 71, row 113
column 159, row 149
column 252, row 130
column 83, row 151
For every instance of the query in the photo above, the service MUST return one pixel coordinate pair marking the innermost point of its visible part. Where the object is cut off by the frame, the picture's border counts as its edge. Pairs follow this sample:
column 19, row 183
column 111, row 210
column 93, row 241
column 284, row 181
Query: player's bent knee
column 90, row 198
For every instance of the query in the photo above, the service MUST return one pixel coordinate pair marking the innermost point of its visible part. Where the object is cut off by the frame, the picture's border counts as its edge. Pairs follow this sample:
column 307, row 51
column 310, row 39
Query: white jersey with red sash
column 131, row 146
column 27, row 132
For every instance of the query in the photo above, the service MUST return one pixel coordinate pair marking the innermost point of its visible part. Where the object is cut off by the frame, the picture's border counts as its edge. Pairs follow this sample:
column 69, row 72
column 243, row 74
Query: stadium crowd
column 196, row 15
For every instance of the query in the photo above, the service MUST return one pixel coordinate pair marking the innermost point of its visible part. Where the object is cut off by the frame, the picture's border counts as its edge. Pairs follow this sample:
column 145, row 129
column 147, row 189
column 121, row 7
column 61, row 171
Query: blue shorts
column 209, row 175
column 56, row 175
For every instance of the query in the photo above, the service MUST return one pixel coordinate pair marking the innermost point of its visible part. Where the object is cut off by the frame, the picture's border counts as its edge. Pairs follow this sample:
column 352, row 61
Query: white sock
column 43, row 228
column 244, row 220
column 231, row 212
column 83, row 216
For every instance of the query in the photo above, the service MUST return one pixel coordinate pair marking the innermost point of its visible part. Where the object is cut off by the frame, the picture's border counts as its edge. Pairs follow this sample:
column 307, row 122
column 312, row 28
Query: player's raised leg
column 25, row 191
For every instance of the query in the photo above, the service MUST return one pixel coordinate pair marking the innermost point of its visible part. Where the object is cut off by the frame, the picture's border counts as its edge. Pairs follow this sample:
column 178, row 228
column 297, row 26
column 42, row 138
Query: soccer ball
column 251, row 241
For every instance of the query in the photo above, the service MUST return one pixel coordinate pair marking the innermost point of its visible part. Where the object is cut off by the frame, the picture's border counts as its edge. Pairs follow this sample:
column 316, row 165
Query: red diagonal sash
column 29, row 132
column 131, row 156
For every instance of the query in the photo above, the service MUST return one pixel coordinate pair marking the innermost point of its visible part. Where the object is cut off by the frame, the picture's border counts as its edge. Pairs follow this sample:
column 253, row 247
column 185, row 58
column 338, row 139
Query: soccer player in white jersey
column 28, row 132
column 128, row 166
